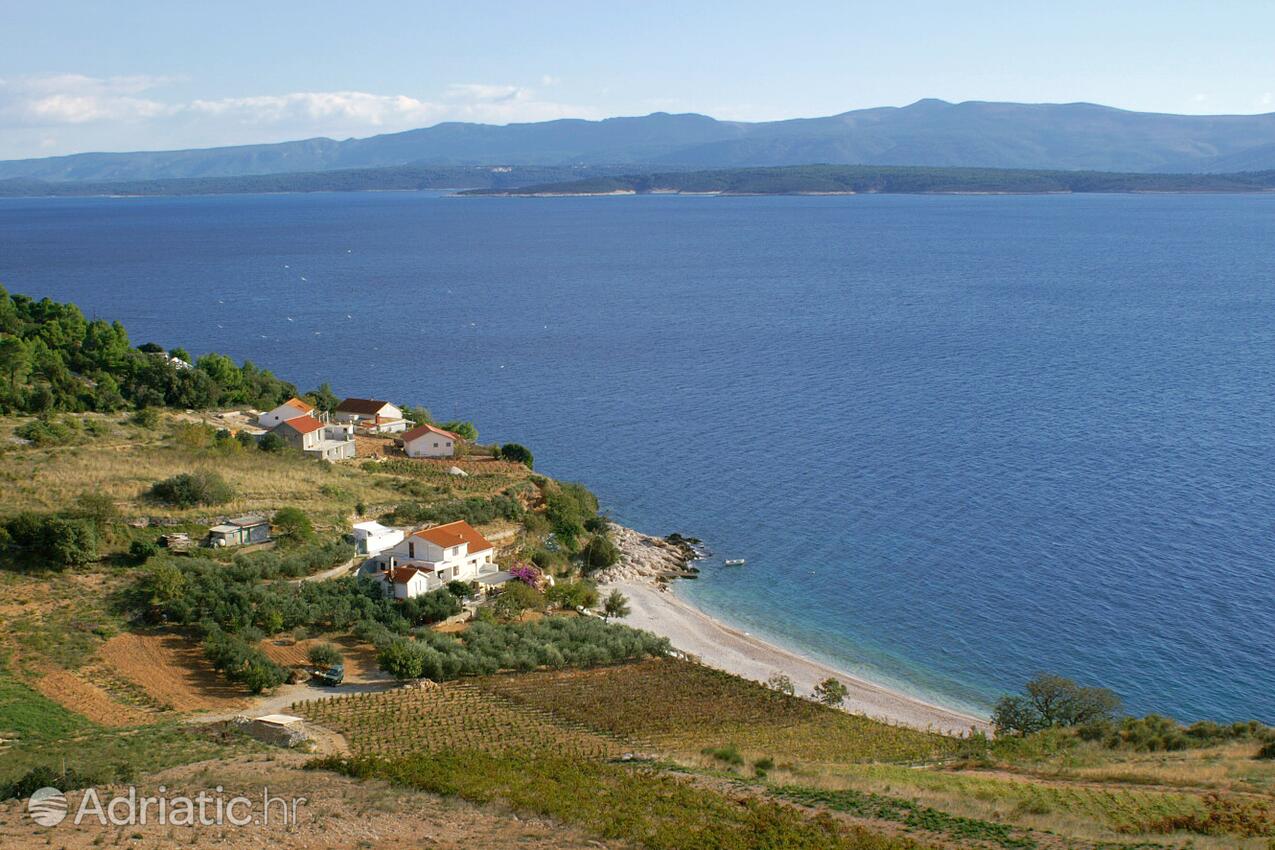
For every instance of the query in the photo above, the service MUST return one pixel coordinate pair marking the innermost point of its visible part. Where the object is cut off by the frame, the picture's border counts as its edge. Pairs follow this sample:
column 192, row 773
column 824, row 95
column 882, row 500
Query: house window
column 411, row 550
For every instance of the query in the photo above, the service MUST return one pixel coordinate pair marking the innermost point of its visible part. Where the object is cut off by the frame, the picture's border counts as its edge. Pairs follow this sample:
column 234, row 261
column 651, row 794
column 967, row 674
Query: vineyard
column 681, row 706
column 453, row 715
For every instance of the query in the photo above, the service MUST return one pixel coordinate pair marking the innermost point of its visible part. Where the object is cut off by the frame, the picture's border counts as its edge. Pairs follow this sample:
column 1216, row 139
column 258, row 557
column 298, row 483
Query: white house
column 329, row 442
column 407, row 582
column 372, row 538
column 451, row 552
column 428, row 441
column 290, row 409
column 371, row 414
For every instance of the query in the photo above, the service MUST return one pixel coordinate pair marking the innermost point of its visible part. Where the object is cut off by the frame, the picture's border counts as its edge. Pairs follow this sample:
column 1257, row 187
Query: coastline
column 642, row 575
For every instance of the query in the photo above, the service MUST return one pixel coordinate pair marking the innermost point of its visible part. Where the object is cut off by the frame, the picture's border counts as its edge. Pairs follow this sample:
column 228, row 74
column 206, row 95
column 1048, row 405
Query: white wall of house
column 372, row 538
column 282, row 413
column 430, row 445
column 387, row 411
column 413, row 587
column 454, row 562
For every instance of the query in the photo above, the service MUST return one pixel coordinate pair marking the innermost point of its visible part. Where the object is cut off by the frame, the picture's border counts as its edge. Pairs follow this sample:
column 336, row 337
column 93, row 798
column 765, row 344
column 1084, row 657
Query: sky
column 138, row 75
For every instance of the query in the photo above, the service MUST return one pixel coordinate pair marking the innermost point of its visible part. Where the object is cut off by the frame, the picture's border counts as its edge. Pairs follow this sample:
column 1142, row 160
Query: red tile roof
column 402, row 575
column 302, row 424
column 454, row 534
column 361, row 406
column 303, row 406
column 422, row 430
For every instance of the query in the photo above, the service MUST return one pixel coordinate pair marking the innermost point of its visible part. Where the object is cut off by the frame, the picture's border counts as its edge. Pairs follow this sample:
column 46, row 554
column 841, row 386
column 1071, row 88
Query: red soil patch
column 87, row 699
column 173, row 671
column 360, row 658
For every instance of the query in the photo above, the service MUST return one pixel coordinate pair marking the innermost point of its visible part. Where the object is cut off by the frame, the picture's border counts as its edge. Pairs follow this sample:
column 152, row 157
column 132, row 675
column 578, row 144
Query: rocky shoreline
column 651, row 560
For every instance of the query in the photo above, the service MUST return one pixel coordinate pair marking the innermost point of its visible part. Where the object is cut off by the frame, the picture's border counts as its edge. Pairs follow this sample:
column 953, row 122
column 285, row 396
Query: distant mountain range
column 1073, row 136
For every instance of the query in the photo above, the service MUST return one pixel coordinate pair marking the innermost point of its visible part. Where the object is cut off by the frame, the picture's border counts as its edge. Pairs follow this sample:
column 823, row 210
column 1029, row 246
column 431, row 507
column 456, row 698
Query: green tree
column 1049, row 700
column 600, row 553
column 515, row 598
column 70, row 542
column 224, row 373
column 260, row 674
column 615, row 605
column 418, row 416
column 1015, row 715
column 324, row 655
column 15, row 364
column 293, row 524
column 1062, row 702
column 831, row 692
column 518, row 454
column 464, row 430
column 323, row 398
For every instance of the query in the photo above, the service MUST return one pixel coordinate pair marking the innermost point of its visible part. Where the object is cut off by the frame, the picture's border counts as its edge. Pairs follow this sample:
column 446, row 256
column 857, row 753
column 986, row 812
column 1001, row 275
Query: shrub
column 572, row 594
column 147, row 417
column 70, row 542
column 142, row 551
column 474, row 511
column 518, row 454
column 729, row 754
column 1267, row 751
column 831, row 692
column 432, row 607
column 781, row 683
column 324, row 655
column 192, row 488
column 272, row 442
column 97, row 508
column 48, row 431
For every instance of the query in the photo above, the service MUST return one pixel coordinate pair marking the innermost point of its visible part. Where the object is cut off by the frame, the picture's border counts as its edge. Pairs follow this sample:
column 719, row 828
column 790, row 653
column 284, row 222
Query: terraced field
column 452, row 716
column 679, row 706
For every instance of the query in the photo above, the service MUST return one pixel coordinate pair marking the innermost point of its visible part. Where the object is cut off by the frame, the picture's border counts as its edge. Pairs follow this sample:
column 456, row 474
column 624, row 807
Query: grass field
column 126, row 459
column 634, row 805
column 682, row 707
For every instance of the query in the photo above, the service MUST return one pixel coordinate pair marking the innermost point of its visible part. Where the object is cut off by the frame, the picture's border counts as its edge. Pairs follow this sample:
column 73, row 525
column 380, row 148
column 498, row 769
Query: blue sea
column 959, row 440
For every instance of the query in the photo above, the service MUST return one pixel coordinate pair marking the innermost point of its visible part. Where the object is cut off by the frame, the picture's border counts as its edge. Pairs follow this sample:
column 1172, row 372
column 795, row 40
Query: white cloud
column 51, row 99
column 127, row 113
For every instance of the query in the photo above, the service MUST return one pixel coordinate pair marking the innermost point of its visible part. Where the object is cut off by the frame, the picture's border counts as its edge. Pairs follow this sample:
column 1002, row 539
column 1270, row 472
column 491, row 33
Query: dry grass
column 1089, row 812
column 124, row 463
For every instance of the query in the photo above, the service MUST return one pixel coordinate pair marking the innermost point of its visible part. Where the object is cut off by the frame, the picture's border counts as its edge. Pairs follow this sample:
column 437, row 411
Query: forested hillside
column 53, row 358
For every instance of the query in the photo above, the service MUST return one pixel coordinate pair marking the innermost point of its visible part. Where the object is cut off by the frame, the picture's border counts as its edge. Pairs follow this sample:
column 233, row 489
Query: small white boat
column 735, row 562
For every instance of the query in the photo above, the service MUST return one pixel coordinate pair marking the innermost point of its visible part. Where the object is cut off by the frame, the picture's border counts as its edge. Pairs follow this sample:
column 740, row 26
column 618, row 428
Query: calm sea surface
column 958, row 439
